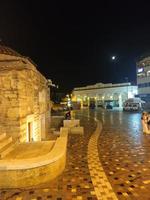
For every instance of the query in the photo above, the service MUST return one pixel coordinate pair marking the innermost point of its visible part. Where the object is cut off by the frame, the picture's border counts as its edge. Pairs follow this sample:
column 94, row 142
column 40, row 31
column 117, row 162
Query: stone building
column 24, row 98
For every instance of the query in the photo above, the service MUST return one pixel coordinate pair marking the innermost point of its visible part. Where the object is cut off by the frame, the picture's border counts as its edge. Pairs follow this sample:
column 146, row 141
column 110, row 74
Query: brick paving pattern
column 125, row 155
column 101, row 184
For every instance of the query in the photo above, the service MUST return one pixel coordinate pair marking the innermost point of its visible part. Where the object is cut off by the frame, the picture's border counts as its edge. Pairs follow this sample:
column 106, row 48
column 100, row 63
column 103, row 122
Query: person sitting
column 68, row 115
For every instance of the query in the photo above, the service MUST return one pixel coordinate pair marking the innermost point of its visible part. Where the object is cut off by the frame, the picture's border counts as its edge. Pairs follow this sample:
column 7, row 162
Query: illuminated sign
column 140, row 70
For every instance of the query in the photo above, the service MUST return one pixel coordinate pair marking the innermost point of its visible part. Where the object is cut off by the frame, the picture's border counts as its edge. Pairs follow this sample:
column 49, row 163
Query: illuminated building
column 24, row 98
column 102, row 94
column 143, row 78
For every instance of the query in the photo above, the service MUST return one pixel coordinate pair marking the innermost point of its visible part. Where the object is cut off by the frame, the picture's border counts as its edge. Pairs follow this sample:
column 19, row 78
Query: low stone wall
column 71, row 123
column 77, row 130
column 73, row 126
column 29, row 172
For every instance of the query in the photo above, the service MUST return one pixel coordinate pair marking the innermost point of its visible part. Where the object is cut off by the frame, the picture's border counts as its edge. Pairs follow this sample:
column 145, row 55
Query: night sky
column 72, row 43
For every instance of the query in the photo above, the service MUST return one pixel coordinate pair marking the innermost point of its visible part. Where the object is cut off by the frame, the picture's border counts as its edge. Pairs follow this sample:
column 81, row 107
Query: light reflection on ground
column 125, row 154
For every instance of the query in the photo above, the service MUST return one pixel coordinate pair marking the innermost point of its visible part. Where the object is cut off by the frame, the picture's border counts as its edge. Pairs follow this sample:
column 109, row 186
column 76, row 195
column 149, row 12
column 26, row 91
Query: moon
column 113, row 57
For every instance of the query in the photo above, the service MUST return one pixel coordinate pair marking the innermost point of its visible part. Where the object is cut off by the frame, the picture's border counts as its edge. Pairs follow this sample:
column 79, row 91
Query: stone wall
column 24, row 100
column 9, row 103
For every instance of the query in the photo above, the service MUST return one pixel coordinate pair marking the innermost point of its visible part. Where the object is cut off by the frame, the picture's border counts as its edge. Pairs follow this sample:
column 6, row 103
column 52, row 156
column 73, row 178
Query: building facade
column 102, row 94
column 24, row 98
column 143, row 78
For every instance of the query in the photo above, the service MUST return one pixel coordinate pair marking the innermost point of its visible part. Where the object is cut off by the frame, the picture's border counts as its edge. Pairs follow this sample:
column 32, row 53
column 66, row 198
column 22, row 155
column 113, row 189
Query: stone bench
column 77, row 130
column 73, row 126
column 71, row 123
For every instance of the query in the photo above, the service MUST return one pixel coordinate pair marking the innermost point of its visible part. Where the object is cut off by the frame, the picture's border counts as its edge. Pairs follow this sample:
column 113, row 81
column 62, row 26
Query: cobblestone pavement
column 124, row 154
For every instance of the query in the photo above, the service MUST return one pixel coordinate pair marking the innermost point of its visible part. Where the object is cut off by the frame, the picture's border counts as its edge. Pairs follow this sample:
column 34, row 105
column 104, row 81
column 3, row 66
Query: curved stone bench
column 16, row 173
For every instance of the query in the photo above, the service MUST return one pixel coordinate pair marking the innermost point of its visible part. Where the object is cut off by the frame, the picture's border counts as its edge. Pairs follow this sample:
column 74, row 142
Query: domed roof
column 8, row 51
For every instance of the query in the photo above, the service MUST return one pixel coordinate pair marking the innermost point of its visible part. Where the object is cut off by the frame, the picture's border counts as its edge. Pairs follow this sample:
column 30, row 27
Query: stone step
column 7, row 149
column 7, row 140
column 2, row 136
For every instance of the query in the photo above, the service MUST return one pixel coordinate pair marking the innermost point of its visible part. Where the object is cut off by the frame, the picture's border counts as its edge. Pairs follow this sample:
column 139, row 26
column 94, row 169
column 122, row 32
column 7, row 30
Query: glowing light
column 78, row 99
column 84, row 98
column 113, row 57
column 130, row 95
column 140, row 70
column 69, row 104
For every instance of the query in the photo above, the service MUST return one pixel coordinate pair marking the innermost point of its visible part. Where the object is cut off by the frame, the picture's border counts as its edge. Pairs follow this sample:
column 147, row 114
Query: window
column 142, row 85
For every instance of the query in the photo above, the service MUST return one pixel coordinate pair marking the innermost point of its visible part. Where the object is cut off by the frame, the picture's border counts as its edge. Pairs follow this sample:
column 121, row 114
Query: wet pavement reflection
column 125, row 154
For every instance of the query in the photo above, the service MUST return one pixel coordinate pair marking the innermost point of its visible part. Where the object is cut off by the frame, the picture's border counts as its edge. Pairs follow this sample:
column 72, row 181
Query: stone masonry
column 24, row 98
